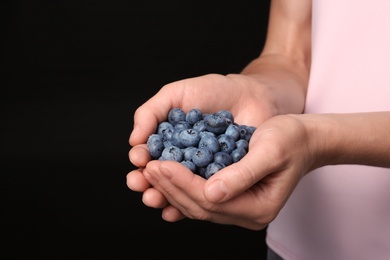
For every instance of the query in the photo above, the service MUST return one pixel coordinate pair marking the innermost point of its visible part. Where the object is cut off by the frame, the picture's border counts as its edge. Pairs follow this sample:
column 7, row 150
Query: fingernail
column 216, row 190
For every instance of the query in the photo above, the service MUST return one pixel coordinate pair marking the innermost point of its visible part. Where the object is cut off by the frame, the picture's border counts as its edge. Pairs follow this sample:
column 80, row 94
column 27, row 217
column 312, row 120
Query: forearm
column 285, row 59
column 360, row 138
column 286, row 78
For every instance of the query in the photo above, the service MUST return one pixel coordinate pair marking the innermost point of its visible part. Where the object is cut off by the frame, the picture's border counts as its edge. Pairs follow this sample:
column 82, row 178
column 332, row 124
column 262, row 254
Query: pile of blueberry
column 204, row 143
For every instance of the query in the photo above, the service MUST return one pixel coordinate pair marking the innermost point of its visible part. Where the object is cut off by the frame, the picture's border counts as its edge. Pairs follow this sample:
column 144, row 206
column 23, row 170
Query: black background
column 73, row 74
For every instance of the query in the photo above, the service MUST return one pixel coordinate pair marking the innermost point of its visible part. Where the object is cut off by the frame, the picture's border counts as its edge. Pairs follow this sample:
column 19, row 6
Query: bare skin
column 270, row 94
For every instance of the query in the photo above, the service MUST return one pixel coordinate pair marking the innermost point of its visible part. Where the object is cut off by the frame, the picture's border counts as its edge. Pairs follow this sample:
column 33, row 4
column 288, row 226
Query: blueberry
column 224, row 158
column 163, row 126
column 190, row 165
column 189, row 152
column 166, row 134
column 189, row 137
column 237, row 154
column 167, row 143
column 242, row 143
column 182, row 125
column 234, row 131
column 155, row 145
column 204, row 143
column 226, row 143
column 193, row 116
column 246, row 132
column 212, row 168
column 199, row 126
column 206, row 133
column 216, row 123
column 209, row 141
column 201, row 171
column 172, row 153
column 176, row 139
column 176, row 115
column 202, row 156
column 227, row 114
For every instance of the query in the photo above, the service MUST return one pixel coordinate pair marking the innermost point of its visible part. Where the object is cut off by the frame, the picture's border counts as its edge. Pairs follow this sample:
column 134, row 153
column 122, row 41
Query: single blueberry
column 166, row 134
column 242, row 143
column 227, row 114
column 212, row 168
column 209, row 141
column 206, row 133
column 193, row 116
column 234, row 131
column 237, row 154
column 155, row 145
column 246, row 132
column 176, row 115
column 176, row 139
column 224, row 158
column 189, row 137
column 199, row 126
column 182, row 125
column 172, row 153
column 163, row 126
column 216, row 123
column 201, row 171
column 188, row 152
column 202, row 156
column 167, row 143
column 226, row 143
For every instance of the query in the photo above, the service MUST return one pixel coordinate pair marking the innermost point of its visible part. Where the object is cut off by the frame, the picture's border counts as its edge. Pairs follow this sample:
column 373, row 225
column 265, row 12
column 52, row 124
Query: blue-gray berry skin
column 189, row 152
column 155, row 145
column 227, row 114
column 206, row 133
column 176, row 139
column 222, row 157
column 199, row 126
column 234, row 131
column 203, row 142
column 166, row 134
column 209, row 141
column 190, row 165
column 237, row 154
column 163, row 126
column 242, row 143
column 182, row 125
column 201, row 171
column 202, row 157
column 167, row 143
column 176, row 115
column 189, row 137
column 246, row 132
column 172, row 153
column 193, row 116
column 212, row 168
column 216, row 123
column 226, row 143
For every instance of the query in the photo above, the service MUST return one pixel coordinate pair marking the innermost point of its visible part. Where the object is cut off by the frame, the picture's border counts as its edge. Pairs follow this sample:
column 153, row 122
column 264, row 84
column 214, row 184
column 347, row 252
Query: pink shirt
column 342, row 212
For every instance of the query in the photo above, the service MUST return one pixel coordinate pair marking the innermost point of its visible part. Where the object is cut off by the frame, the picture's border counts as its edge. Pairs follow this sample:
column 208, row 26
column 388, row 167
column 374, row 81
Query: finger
column 172, row 214
column 154, row 199
column 229, row 182
column 182, row 188
column 136, row 181
column 152, row 112
column 139, row 155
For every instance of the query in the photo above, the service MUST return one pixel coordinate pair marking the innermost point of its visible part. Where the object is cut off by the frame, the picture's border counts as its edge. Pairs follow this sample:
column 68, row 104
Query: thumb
column 240, row 176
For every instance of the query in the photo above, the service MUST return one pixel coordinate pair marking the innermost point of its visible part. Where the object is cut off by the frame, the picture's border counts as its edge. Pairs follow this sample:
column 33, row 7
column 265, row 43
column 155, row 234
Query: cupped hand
column 250, row 101
column 249, row 193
